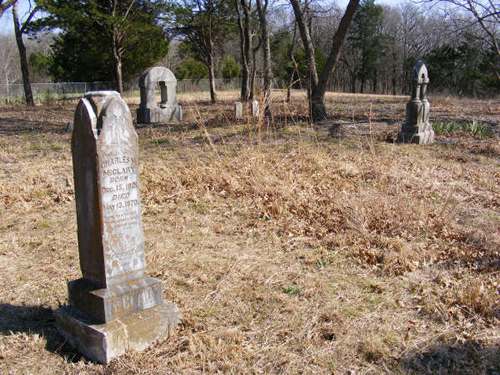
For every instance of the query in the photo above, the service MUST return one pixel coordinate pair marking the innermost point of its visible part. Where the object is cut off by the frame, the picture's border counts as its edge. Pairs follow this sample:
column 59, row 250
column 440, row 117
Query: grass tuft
column 475, row 128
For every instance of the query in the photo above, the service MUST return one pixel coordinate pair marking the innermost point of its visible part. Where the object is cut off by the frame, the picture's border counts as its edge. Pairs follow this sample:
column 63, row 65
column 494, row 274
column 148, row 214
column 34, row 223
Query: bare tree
column 9, row 60
column 19, row 30
column 119, row 26
column 262, row 6
column 319, row 81
column 250, row 44
column 253, row 70
column 484, row 13
column 4, row 5
column 204, row 25
column 291, row 57
column 243, row 9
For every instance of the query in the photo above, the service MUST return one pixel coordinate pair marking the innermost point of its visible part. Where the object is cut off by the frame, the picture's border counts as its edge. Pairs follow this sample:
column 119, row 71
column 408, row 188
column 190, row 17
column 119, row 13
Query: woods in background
column 366, row 47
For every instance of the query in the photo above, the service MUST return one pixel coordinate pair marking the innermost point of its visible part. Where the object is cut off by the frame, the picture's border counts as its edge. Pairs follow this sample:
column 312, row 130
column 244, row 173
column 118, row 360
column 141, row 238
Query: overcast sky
column 23, row 9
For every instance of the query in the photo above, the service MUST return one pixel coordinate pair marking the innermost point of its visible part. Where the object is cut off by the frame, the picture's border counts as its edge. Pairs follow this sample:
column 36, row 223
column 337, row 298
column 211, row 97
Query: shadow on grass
column 470, row 357
column 35, row 320
column 15, row 126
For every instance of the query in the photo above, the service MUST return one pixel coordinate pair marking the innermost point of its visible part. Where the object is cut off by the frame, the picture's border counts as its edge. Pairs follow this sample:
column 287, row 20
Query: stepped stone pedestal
column 114, row 307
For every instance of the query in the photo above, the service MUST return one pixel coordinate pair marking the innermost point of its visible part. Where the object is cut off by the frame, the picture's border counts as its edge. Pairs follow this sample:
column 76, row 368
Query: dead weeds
column 288, row 249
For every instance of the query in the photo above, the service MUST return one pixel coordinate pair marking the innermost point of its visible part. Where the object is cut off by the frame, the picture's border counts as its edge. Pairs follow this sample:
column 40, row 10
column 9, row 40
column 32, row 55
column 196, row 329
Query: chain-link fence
column 191, row 85
column 50, row 91
column 44, row 92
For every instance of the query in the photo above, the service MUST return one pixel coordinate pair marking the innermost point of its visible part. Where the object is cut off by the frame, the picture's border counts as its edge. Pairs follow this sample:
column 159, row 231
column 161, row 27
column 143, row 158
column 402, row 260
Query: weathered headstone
column 238, row 110
column 417, row 128
column 255, row 108
column 167, row 110
column 114, row 307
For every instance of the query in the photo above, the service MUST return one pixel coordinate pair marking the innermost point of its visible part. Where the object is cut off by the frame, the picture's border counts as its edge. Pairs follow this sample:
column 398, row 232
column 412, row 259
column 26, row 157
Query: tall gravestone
column 417, row 127
column 167, row 110
column 114, row 307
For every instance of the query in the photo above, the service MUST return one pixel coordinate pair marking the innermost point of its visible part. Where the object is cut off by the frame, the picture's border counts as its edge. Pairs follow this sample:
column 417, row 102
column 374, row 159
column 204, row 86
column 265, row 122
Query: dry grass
column 290, row 249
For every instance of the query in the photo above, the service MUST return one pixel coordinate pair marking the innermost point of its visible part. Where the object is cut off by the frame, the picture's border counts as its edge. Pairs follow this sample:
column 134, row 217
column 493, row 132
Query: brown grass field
column 289, row 249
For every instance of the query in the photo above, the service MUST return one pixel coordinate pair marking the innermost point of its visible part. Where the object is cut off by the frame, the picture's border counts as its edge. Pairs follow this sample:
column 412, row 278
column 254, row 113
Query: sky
column 23, row 9
column 6, row 20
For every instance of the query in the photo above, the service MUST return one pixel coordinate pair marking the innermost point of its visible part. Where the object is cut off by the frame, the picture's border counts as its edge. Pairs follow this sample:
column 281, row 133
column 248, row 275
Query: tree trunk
column 117, row 61
column 266, row 53
column 394, row 74
column 319, row 83
column 306, row 41
column 295, row 67
column 28, row 94
column 211, row 79
column 6, row 5
column 118, row 74
column 244, row 28
column 253, row 73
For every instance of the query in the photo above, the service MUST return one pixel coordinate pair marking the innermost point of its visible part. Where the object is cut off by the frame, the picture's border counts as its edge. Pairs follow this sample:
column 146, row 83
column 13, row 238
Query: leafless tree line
column 411, row 30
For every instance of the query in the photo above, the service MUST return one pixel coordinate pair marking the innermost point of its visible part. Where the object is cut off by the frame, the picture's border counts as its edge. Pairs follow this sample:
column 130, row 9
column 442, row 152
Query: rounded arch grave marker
column 167, row 110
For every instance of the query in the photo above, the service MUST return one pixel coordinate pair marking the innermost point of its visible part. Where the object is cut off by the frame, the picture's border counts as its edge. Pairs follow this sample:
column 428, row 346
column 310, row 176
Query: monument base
column 103, row 342
column 165, row 114
column 104, row 305
column 422, row 138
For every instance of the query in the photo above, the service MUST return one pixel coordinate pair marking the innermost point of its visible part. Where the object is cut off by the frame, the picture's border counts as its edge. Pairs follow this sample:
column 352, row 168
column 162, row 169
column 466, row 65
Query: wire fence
column 44, row 92
column 14, row 92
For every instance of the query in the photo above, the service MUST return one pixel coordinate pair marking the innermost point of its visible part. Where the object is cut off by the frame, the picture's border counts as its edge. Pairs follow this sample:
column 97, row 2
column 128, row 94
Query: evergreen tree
column 366, row 37
column 230, row 68
column 191, row 68
column 103, row 40
column 463, row 70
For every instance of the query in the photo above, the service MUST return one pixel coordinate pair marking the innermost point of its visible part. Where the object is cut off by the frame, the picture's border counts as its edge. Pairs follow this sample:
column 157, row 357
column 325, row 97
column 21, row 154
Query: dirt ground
column 288, row 248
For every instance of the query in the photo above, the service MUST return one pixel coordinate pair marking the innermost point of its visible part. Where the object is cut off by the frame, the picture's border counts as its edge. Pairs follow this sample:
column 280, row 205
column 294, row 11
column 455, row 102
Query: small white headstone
column 238, row 110
column 255, row 108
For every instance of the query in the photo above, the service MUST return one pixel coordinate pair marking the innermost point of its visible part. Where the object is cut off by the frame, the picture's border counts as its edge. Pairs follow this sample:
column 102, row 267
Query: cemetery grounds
column 288, row 249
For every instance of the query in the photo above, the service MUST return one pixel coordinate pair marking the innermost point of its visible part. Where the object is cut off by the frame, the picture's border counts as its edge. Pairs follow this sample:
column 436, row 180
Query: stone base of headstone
column 422, row 138
column 103, row 342
column 414, row 130
column 159, row 115
column 115, row 301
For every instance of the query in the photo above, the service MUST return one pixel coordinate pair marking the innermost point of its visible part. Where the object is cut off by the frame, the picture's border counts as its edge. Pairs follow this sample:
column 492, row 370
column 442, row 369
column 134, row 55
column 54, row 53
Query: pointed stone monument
column 417, row 128
column 114, row 307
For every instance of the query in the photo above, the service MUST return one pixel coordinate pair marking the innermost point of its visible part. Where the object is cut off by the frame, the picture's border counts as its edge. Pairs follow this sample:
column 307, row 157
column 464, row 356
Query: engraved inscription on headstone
column 123, row 243
column 417, row 128
column 114, row 307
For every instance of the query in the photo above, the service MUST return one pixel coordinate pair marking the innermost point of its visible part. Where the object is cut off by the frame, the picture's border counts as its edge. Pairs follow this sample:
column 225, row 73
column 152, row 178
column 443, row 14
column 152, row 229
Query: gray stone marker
column 167, row 110
column 417, row 128
column 255, row 108
column 238, row 110
column 114, row 307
